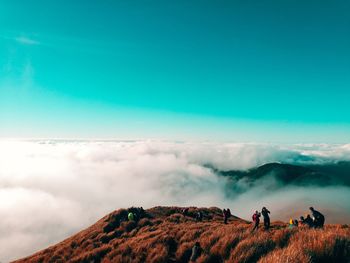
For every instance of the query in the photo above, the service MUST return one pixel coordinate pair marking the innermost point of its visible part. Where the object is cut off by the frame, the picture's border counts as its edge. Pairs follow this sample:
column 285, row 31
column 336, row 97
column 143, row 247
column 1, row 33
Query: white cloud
column 50, row 189
column 27, row 41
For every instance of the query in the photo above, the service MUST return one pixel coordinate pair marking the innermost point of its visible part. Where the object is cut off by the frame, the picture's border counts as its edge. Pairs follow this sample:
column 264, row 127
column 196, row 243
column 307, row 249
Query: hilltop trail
column 164, row 234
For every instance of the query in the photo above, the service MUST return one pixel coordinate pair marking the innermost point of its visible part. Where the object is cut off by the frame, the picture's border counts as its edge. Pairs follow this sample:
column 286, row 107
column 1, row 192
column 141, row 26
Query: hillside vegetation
column 165, row 235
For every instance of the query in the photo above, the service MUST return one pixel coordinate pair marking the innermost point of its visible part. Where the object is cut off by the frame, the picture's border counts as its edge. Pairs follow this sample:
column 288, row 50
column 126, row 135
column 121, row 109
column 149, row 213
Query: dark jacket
column 265, row 213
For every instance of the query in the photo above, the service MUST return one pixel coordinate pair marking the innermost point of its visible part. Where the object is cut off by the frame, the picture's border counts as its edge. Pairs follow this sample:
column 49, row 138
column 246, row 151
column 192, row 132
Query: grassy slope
column 168, row 236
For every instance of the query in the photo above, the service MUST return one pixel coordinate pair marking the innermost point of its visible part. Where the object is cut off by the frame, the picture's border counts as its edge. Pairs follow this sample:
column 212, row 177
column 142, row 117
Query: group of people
column 198, row 215
column 256, row 218
column 135, row 213
column 316, row 221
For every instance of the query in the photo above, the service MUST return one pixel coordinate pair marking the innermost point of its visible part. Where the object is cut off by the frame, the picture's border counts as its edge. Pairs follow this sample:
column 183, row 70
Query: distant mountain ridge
column 290, row 174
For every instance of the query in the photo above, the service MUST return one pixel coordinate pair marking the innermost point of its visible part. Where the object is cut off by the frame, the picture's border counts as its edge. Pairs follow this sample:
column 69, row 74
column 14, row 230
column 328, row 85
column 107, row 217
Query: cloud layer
column 51, row 189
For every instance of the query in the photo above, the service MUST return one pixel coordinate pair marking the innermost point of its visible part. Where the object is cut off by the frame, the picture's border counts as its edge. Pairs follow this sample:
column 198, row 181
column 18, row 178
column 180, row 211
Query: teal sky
column 274, row 71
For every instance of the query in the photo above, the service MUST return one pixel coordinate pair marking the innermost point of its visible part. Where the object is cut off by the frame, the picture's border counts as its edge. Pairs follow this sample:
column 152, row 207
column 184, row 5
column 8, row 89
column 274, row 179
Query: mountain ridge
column 292, row 174
column 166, row 234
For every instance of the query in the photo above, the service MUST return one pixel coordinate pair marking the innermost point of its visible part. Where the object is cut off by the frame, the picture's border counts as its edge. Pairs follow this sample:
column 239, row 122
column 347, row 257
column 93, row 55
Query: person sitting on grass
column 295, row 222
column 308, row 221
column 291, row 223
column 318, row 218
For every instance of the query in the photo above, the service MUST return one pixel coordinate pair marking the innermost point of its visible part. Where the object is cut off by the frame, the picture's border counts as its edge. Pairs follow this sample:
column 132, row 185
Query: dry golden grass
column 165, row 235
column 331, row 244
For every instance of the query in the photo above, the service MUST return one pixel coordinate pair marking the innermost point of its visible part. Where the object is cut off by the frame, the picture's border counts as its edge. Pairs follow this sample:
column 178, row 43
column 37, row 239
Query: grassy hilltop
column 165, row 235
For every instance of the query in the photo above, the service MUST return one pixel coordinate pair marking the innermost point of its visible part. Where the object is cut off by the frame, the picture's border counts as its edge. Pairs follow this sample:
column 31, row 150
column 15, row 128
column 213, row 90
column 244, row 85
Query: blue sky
column 274, row 71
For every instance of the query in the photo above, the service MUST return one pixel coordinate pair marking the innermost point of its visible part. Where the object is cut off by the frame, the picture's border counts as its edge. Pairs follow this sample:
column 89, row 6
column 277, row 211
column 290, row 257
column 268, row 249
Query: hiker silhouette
column 226, row 214
column 199, row 216
column 318, row 218
column 265, row 213
column 256, row 220
column 307, row 221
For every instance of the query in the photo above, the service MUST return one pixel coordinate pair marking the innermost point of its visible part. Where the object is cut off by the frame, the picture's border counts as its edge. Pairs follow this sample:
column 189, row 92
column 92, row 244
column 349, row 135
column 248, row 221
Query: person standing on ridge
column 185, row 211
column 224, row 214
column 265, row 213
column 199, row 216
column 256, row 220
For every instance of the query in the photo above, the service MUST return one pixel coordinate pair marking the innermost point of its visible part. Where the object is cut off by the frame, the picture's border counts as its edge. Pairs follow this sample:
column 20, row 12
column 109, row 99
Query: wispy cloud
column 27, row 41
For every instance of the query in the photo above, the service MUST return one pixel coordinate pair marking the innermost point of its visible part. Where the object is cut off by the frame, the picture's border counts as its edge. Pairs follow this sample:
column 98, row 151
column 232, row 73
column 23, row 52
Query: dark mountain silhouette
column 339, row 171
column 289, row 174
column 164, row 234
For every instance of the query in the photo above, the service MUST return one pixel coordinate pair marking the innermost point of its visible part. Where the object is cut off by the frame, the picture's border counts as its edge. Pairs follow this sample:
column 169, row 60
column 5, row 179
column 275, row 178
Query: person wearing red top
column 256, row 220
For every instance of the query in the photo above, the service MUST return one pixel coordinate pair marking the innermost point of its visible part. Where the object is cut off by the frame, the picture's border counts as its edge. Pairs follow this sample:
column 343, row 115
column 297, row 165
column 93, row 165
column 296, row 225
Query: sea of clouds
column 51, row 189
